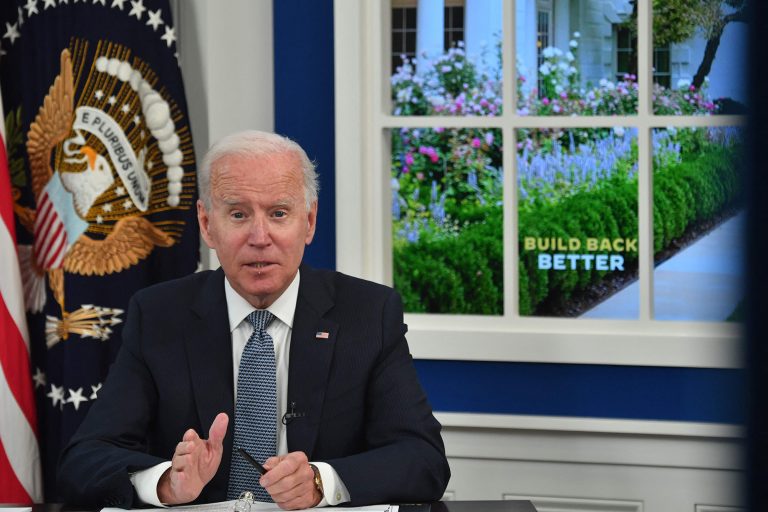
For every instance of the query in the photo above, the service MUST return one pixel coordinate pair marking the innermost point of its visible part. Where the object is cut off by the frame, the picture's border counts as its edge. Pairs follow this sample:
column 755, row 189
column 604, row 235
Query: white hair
column 254, row 143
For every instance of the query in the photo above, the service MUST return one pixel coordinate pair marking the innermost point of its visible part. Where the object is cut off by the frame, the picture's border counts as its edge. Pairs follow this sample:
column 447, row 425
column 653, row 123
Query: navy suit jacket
column 365, row 411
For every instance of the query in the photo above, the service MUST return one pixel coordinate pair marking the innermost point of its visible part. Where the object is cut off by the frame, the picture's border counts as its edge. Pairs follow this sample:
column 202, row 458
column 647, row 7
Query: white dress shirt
column 238, row 309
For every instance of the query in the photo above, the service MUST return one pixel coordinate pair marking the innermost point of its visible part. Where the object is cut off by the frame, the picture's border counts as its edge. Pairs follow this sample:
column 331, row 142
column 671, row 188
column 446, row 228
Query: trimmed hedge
column 463, row 273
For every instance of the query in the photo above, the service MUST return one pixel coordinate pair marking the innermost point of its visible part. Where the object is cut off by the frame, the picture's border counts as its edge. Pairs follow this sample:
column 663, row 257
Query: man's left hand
column 290, row 481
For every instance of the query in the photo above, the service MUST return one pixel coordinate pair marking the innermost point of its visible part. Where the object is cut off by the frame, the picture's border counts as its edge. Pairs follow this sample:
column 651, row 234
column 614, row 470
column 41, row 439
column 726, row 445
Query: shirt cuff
column 145, row 482
column 334, row 490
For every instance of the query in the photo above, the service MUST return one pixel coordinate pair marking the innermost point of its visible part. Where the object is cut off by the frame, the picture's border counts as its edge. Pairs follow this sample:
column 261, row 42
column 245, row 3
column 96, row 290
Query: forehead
column 281, row 171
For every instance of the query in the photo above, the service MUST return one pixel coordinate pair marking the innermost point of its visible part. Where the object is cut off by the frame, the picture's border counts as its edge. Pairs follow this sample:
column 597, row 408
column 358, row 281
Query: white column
column 482, row 29
column 525, row 40
column 429, row 32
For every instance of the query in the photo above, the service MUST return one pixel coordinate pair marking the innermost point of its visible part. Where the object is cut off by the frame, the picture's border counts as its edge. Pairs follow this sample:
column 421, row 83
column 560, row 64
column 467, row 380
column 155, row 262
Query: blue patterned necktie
column 255, row 409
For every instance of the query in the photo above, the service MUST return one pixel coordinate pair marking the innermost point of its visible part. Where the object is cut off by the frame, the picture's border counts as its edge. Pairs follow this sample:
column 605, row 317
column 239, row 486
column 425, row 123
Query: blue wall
column 304, row 111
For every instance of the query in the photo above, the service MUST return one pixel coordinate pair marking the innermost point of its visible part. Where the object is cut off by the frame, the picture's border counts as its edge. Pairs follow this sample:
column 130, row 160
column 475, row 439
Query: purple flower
column 409, row 158
column 476, row 143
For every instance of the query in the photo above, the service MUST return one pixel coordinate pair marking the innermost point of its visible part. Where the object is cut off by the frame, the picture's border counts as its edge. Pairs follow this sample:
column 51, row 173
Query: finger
column 271, row 462
column 190, row 435
column 288, row 479
column 218, row 429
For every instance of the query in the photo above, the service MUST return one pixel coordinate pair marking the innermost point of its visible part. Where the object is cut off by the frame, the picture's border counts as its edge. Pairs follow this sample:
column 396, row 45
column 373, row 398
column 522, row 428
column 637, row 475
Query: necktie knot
column 260, row 319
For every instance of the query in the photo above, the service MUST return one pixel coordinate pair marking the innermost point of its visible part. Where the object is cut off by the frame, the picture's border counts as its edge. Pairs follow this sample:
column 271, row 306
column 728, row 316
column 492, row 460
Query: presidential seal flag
column 102, row 185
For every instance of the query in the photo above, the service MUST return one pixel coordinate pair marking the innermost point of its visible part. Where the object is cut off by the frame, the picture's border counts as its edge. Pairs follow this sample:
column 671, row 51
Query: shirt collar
column 283, row 308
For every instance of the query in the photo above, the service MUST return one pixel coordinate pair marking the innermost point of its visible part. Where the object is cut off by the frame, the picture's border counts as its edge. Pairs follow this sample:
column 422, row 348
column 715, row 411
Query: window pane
column 707, row 52
column 698, row 219
column 397, row 18
column 448, row 74
column 565, row 65
column 577, row 222
column 447, row 216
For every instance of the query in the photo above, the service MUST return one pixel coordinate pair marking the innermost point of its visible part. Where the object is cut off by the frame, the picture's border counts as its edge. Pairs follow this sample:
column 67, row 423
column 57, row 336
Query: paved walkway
column 703, row 282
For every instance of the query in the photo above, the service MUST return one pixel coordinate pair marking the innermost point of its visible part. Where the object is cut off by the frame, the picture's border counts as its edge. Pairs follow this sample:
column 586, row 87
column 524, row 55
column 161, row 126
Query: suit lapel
column 209, row 351
column 310, row 360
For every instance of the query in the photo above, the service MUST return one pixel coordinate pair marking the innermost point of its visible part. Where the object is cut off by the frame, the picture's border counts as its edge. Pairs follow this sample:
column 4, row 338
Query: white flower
column 570, row 57
column 548, row 52
column 545, row 68
column 445, row 69
column 619, row 131
column 577, row 34
column 683, row 83
column 573, row 43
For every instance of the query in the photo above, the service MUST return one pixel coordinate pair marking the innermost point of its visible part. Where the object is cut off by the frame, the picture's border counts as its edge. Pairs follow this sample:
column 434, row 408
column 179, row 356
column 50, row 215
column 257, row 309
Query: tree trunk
column 713, row 43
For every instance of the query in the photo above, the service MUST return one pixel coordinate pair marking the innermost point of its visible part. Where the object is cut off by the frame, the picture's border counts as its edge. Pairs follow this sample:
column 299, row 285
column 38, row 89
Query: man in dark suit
column 346, row 395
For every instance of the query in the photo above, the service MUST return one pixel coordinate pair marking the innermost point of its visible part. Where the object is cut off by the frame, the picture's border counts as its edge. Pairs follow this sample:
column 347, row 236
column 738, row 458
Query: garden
column 577, row 188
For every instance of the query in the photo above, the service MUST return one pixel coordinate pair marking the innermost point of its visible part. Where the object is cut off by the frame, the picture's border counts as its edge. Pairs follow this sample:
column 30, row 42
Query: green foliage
column 15, row 144
column 461, row 274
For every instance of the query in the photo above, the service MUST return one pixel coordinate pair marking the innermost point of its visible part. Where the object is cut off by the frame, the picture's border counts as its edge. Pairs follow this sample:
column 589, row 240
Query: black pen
column 261, row 469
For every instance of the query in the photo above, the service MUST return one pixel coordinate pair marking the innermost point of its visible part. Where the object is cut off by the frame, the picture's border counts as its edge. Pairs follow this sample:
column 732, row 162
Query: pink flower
column 476, row 143
column 420, row 176
column 409, row 158
column 433, row 156
column 545, row 101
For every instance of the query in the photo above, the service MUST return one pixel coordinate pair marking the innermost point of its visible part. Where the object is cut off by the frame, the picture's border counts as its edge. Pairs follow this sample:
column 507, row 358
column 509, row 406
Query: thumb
column 218, row 428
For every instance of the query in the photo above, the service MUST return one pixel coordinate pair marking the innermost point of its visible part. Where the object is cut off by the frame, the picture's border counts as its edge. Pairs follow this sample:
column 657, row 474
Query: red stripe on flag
column 15, row 361
column 11, row 490
column 6, row 206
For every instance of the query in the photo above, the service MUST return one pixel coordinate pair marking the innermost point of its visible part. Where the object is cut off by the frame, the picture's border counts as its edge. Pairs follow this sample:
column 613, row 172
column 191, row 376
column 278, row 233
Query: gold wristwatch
column 318, row 480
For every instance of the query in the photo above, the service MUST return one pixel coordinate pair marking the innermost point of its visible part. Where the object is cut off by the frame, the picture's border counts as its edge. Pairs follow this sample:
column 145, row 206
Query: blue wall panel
column 304, row 105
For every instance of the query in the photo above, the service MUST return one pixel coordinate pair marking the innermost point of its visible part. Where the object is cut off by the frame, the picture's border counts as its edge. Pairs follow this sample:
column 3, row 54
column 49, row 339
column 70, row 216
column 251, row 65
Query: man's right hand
column 194, row 463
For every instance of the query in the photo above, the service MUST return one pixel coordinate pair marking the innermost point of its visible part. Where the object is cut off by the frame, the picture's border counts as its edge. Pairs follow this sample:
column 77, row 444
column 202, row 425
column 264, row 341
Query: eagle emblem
column 102, row 161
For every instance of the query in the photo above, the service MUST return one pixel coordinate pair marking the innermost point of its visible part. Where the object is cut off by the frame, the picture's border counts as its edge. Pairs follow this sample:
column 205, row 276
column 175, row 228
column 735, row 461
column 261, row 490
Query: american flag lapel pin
column 321, row 335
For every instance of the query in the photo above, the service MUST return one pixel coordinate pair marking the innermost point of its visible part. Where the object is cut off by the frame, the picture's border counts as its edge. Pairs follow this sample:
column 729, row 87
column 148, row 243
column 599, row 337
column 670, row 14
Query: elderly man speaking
column 306, row 370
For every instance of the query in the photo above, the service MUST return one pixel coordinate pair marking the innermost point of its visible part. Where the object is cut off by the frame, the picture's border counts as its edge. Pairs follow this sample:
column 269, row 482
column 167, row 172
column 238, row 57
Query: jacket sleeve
column 111, row 442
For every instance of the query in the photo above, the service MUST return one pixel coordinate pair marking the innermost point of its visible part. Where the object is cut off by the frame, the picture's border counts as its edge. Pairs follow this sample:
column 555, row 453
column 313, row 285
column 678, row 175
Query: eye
column 280, row 214
column 237, row 215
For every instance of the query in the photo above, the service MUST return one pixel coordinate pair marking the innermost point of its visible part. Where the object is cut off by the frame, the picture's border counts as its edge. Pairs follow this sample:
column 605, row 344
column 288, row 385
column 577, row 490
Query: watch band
column 317, row 480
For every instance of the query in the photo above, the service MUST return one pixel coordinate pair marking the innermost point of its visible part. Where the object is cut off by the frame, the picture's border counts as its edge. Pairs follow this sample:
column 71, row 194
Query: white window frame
column 363, row 219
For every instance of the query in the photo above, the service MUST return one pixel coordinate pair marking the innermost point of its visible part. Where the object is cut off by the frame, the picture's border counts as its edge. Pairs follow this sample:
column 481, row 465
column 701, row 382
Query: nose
column 258, row 232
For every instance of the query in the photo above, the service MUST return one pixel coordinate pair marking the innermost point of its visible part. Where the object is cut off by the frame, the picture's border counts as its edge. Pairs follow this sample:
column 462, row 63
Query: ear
column 204, row 221
column 311, row 223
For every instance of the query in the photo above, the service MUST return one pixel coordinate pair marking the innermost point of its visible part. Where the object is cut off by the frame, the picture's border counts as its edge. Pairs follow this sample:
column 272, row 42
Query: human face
column 258, row 223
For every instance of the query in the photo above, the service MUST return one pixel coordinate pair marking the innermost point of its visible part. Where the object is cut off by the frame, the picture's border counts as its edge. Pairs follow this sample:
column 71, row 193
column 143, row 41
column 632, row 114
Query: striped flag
column 102, row 166
column 20, row 480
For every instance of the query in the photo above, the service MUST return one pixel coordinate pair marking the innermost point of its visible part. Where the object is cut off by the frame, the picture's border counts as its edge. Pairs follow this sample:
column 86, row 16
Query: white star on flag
column 95, row 390
column 136, row 119
column 39, row 378
column 21, row 17
column 126, row 108
column 120, row 191
column 112, row 100
column 107, row 207
column 154, row 19
column 63, row 2
column 137, row 9
column 118, row 4
column 170, row 36
column 99, row 219
column 76, row 397
column 127, row 204
column 49, row 3
column 56, row 394
column 102, row 3
column 31, row 7
column 99, row 94
column 12, row 32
